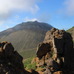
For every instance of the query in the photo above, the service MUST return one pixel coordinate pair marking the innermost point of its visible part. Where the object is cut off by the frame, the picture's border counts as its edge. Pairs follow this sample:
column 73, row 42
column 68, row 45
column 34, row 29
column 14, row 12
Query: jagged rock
column 47, row 71
column 52, row 65
column 42, row 50
column 8, row 49
column 59, row 45
column 10, row 60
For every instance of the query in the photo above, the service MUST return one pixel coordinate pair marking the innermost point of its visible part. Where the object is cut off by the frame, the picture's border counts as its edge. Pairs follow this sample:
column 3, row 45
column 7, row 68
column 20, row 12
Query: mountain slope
column 25, row 36
column 71, row 31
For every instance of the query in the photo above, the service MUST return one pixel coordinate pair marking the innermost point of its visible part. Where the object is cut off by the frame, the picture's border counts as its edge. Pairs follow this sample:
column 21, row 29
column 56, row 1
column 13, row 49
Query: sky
column 58, row 13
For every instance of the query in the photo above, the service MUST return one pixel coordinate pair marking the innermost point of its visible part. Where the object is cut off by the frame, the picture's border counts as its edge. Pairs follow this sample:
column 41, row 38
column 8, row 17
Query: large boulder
column 10, row 60
column 59, row 45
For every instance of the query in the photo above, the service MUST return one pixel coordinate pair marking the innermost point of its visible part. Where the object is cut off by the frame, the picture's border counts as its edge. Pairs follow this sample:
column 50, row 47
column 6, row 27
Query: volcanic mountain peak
column 25, row 36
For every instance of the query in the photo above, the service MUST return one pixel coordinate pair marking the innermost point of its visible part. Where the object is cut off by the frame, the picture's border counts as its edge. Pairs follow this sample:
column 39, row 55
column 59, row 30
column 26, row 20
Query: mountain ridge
column 25, row 36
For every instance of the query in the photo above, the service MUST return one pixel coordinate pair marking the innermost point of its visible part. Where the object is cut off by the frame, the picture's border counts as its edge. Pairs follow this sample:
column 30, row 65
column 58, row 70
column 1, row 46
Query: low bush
column 28, row 65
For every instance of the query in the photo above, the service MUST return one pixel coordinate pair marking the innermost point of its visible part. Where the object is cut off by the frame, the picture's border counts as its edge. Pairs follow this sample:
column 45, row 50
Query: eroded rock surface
column 10, row 60
column 58, row 44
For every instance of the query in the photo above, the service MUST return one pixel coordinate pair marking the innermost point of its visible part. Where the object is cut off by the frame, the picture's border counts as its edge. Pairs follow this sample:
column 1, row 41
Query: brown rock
column 8, row 48
column 58, row 72
column 10, row 60
column 42, row 50
column 59, row 45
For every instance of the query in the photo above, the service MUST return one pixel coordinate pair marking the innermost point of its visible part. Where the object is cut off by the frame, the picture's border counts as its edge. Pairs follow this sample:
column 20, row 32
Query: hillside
column 25, row 36
column 71, row 31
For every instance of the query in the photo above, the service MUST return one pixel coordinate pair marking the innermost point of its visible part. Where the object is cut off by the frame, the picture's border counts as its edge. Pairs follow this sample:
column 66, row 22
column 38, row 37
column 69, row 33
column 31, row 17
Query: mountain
column 26, row 36
column 71, row 31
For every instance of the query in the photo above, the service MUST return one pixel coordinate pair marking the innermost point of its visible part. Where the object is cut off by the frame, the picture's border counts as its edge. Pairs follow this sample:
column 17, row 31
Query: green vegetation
column 31, row 66
column 28, row 65
column 71, row 31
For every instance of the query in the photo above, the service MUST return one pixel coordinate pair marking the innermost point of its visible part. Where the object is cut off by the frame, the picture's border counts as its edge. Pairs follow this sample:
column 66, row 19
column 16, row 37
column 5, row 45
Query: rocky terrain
column 55, row 54
column 10, row 60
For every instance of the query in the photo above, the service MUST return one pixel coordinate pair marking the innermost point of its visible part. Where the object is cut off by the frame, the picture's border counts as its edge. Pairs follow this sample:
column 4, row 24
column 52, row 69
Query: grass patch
column 28, row 65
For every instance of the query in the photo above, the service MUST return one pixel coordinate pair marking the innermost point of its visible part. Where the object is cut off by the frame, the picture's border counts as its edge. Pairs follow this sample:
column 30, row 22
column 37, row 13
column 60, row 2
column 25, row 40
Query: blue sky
column 58, row 13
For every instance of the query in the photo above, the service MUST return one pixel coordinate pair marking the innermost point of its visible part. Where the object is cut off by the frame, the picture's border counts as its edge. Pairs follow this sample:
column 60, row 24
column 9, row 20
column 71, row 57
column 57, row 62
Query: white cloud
column 5, row 24
column 44, row 17
column 1, row 23
column 30, row 19
column 69, row 7
column 9, row 6
column 7, row 27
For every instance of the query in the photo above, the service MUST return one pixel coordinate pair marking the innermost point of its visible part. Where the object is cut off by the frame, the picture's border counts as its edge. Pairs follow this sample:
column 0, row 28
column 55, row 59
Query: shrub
column 28, row 65
column 31, row 66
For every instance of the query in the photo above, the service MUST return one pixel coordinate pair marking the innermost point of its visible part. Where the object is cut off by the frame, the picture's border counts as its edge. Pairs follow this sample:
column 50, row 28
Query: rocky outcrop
column 54, row 55
column 10, row 60
column 58, row 44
